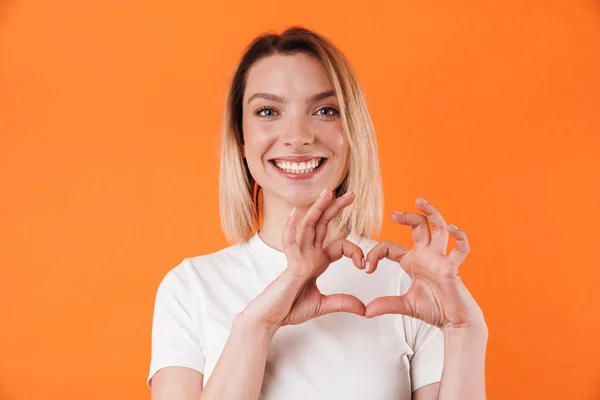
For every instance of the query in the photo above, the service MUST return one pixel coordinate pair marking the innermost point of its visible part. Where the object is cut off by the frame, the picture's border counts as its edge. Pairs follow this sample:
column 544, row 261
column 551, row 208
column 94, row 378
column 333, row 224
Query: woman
column 281, row 314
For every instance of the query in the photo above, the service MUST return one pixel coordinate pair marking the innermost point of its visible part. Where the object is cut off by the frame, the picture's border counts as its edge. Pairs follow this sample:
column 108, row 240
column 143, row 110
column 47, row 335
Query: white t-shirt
column 336, row 356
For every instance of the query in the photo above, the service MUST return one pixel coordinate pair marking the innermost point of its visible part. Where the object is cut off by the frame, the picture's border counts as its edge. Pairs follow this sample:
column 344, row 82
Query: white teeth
column 298, row 168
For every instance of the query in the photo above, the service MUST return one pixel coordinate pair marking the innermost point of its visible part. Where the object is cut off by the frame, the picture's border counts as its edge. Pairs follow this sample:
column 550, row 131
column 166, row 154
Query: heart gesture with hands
column 436, row 294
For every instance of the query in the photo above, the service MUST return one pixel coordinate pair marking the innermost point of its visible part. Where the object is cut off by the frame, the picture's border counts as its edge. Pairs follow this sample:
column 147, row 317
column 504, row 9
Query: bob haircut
column 239, row 193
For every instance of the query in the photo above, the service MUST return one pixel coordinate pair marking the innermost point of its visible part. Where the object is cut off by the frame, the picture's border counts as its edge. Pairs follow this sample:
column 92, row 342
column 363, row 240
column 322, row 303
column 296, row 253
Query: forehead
column 292, row 76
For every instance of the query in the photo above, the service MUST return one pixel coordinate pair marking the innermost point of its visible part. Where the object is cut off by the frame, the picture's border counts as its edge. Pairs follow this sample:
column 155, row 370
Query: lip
column 296, row 158
column 296, row 177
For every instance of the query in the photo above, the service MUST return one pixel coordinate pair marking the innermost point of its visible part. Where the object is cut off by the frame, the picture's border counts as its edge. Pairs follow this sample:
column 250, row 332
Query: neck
column 275, row 215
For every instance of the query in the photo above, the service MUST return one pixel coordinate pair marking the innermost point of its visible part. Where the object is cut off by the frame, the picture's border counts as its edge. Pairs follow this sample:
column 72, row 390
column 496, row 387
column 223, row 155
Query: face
column 294, row 143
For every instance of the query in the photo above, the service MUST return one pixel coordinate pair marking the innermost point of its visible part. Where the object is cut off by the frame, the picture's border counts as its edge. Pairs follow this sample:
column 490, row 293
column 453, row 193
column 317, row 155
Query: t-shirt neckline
column 275, row 257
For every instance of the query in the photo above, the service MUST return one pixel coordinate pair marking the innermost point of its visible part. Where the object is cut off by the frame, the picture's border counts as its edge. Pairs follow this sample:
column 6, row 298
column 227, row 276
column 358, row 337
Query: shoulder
column 192, row 270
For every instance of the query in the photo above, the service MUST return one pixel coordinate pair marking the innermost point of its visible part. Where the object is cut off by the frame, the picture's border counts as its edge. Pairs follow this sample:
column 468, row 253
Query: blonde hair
column 239, row 193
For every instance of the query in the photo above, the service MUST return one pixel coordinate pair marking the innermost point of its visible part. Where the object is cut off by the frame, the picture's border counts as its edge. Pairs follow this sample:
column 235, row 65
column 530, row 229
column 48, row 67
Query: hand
column 436, row 294
column 293, row 297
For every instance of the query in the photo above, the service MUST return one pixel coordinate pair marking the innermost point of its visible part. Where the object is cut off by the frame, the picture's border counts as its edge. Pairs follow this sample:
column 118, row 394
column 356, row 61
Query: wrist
column 294, row 274
column 249, row 323
column 474, row 331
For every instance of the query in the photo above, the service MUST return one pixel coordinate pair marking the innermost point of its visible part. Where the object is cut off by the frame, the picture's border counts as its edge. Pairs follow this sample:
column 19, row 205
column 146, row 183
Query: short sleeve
column 175, row 337
column 427, row 362
column 427, row 343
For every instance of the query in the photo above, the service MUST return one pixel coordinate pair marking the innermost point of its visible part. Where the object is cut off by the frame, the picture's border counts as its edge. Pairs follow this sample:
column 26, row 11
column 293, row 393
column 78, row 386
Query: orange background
column 109, row 118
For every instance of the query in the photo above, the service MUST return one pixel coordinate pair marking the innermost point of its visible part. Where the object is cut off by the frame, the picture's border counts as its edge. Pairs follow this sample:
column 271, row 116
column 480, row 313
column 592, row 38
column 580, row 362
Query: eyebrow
column 279, row 99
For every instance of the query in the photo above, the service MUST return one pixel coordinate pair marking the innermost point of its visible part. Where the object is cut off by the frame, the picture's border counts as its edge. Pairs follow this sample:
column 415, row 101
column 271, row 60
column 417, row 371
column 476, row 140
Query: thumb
column 340, row 303
column 389, row 305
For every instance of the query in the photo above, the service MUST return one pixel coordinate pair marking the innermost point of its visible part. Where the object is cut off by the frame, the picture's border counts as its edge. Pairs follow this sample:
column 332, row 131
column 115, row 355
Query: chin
column 301, row 198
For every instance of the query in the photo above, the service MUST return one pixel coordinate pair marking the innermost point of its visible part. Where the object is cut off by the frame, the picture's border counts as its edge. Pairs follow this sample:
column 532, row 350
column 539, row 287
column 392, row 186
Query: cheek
column 257, row 140
column 335, row 139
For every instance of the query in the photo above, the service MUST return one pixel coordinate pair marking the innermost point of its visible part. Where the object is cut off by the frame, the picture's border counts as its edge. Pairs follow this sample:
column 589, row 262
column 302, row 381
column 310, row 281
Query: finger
column 439, row 231
column 341, row 303
column 384, row 249
column 343, row 247
column 329, row 214
column 462, row 249
column 389, row 305
column 418, row 222
column 306, row 228
column 289, row 232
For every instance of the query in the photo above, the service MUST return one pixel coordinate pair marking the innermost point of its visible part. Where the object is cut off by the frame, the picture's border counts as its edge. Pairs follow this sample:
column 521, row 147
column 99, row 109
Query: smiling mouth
column 304, row 167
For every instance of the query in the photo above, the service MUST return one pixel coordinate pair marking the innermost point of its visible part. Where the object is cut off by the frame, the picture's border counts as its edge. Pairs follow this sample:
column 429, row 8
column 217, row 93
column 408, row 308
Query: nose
column 297, row 134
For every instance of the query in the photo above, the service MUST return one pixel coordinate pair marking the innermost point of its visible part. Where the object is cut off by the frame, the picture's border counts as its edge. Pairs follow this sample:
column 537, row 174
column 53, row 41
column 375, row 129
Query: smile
column 299, row 167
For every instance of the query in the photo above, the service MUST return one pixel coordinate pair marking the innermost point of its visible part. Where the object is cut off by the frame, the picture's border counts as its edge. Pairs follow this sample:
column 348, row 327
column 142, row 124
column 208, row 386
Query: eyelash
column 334, row 109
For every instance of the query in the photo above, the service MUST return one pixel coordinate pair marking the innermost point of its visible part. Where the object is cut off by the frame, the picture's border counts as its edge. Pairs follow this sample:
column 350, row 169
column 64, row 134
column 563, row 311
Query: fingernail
column 293, row 211
column 368, row 267
column 347, row 194
column 323, row 192
column 423, row 200
column 453, row 227
column 363, row 263
column 398, row 213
